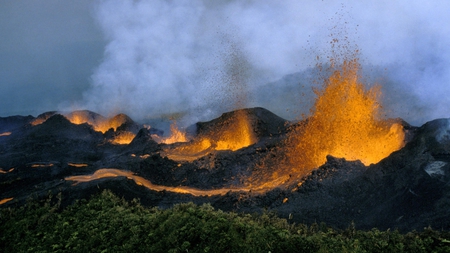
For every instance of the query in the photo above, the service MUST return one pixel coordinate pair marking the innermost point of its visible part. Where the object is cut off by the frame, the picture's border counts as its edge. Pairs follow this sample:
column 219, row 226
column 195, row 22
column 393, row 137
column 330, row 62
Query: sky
column 199, row 58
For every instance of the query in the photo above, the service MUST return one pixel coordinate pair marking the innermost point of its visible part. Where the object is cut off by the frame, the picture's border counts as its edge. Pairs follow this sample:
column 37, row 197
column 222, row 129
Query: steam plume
column 173, row 56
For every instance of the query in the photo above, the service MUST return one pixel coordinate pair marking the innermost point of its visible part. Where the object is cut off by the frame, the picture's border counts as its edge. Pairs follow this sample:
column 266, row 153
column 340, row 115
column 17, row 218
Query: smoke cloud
column 185, row 57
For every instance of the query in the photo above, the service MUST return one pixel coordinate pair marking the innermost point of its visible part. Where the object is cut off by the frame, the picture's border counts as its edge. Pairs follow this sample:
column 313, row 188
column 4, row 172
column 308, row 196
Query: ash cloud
column 167, row 57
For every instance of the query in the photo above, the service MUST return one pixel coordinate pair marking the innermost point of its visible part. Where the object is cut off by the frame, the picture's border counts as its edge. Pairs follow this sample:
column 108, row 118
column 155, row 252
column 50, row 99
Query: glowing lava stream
column 78, row 165
column 109, row 172
column 3, row 201
column 5, row 171
column 176, row 135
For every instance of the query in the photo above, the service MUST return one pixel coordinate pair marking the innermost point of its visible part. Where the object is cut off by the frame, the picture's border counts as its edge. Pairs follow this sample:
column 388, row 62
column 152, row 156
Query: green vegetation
column 107, row 223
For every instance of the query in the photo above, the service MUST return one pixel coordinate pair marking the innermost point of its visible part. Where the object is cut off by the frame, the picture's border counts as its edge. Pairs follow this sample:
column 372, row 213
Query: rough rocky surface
column 408, row 190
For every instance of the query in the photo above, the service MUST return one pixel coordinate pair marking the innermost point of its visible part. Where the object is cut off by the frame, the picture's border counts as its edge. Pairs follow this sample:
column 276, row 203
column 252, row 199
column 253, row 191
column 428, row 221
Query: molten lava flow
column 41, row 165
column 190, row 151
column 345, row 123
column 3, row 201
column 6, row 171
column 110, row 172
column 77, row 165
column 5, row 134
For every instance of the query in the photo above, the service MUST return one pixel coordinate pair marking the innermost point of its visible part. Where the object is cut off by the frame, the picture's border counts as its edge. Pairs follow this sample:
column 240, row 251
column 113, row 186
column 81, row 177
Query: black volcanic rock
column 13, row 122
column 127, row 123
column 408, row 190
column 54, row 140
column 143, row 143
column 264, row 123
column 59, row 127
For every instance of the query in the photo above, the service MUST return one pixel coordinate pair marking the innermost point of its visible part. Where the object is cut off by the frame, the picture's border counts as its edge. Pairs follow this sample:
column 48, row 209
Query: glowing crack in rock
column 111, row 173
column 41, row 165
column 78, row 165
column 97, row 122
column 3, row 201
column 6, row 171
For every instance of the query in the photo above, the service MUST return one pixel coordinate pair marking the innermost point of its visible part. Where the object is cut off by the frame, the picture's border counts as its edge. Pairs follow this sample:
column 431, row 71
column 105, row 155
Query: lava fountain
column 233, row 133
column 345, row 122
column 176, row 135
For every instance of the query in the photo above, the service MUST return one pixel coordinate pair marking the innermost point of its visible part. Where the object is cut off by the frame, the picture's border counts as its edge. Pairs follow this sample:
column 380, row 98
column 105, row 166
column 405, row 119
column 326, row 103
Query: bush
column 106, row 223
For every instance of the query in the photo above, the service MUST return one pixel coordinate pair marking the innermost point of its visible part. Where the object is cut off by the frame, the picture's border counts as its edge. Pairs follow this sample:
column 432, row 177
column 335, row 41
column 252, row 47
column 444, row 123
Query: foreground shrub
column 107, row 223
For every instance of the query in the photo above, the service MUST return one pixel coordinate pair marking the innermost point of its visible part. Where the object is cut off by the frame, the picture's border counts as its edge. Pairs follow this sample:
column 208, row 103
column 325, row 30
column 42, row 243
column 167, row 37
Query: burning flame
column 345, row 123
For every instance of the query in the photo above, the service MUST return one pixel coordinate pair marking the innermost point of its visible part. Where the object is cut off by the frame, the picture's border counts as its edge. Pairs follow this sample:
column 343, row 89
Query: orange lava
column 99, row 123
column 238, row 135
column 176, row 135
column 189, row 151
column 346, row 123
column 78, row 165
column 123, row 138
column 41, row 165
column 102, row 124
column 3, row 201
column 6, row 171
column 235, row 133
column 109, row 172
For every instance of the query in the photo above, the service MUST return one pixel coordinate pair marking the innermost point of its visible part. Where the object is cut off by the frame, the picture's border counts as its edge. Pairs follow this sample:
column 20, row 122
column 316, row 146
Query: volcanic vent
column 247, row 160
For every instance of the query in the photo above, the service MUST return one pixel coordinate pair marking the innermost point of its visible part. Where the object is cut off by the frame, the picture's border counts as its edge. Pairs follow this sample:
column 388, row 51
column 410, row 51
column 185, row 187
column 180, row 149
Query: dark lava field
column 409, row 189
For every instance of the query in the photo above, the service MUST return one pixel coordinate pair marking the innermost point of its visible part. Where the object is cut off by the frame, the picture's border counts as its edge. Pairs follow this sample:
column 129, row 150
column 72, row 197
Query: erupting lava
column 233, row 134
column 123, row 138
column 97, row 122
column 237, row 136
column 176, row 135
column 346, row 123
column 100, row 124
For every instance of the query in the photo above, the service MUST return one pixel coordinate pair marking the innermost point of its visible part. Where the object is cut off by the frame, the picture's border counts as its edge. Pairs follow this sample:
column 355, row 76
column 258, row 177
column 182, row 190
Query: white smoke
column 167, row 56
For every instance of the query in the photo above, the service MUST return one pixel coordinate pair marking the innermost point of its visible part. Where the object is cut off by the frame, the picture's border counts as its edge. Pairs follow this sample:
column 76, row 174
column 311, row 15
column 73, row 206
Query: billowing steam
column 167, row 57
